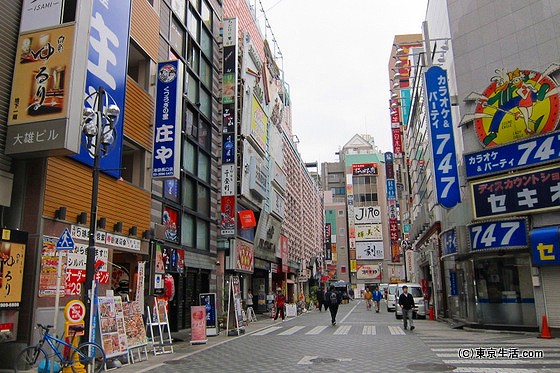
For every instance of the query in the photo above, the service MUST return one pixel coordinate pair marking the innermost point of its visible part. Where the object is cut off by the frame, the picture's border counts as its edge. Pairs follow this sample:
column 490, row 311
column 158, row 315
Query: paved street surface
column 361, row 341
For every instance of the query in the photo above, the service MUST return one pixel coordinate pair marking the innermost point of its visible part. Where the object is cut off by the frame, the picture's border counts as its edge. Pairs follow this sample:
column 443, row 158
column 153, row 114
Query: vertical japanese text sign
column 107, row 67
column 167, row 128
column 443, row 144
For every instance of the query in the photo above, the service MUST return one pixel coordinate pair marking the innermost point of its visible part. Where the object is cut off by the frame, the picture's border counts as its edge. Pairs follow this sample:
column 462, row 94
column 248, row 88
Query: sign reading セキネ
column 517, row 104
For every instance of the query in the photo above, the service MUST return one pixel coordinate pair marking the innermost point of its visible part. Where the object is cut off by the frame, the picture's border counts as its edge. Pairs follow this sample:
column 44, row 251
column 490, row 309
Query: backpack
column 333, row 298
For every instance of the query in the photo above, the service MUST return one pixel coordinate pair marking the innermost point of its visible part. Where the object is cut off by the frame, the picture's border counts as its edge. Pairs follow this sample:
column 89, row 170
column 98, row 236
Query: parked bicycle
column 89, row 356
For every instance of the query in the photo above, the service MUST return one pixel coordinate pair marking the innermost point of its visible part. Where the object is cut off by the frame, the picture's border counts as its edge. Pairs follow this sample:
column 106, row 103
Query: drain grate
column 432, row 367
column 323, row 360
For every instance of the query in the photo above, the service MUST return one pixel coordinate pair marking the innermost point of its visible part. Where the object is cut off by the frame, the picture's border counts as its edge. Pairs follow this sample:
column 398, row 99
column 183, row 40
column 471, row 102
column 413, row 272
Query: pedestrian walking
column 280, row 303
column 334, row 299
column 406, row 302
column 320, row 294
column 367, row 296
column 376, row 296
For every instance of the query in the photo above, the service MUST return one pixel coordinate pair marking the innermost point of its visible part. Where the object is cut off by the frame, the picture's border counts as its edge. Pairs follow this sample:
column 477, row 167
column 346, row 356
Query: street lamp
column 98, row 126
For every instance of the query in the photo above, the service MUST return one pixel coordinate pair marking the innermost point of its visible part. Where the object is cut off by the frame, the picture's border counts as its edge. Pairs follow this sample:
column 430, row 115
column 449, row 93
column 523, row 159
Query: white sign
column 367, row 215
column 369, row 250
column 369, row 232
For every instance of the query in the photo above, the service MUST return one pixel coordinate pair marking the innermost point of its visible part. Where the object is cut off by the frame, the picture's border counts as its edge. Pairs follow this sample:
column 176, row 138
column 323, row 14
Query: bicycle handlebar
column 45, row 328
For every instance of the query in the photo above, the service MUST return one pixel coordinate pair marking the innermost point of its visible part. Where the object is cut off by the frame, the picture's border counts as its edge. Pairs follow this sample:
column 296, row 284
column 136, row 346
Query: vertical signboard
column 328, row 243
column 208, row 301
column 107, row 67
column 166, row 158
column 441, row 130
column 229, row 132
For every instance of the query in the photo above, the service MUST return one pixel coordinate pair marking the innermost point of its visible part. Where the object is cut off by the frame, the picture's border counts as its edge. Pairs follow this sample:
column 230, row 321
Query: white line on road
column 352, row 310
column 267, row 330
column 369, row 330
column 343, row 330
column 292, row 330
column 307, row 360
column 396, row 330
column 317, row 330
column 492, row 370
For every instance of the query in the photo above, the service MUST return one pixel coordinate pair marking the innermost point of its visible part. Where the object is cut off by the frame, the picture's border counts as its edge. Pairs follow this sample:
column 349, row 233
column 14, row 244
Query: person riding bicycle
column 367, row 297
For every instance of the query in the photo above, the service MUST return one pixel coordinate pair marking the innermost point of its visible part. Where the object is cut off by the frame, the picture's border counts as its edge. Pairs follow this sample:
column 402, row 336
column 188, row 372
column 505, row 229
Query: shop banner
column 365, row 169
column 449, row 240
column 528, row 192
column 508, row 233
column 368, row 272
column 12, row 257
column 369, row 250
column 198, row 325
column 367, row 215
column 438, row 103
column 208, row 301
column 531, row 152
column 545, row 246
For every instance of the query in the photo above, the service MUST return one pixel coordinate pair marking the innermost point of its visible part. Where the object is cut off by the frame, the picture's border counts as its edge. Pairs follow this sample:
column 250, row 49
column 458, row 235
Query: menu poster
column 160, row 311
column 111, row 322
column 198, row 325
column 134, row 324
column 49, row 266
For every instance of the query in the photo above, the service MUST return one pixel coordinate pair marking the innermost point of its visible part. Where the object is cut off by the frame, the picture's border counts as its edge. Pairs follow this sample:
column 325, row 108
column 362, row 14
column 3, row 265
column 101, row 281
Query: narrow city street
column 361, row 341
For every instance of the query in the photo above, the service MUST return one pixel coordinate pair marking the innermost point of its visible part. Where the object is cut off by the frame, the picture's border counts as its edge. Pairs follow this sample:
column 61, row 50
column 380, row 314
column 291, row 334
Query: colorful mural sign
column 365, row 169
column 438, row 102
column 517, row 104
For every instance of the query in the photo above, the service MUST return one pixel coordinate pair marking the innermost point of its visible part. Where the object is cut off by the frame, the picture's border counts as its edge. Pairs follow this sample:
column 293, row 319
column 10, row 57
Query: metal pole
column 90, row 263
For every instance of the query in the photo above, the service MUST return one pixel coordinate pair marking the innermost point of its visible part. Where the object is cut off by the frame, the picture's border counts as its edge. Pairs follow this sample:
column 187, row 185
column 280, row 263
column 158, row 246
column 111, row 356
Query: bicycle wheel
column 91, row 355
column 32, row 358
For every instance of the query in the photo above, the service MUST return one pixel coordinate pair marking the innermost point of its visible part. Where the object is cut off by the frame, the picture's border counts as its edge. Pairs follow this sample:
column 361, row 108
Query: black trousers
column 278, row 310
column 334, row 310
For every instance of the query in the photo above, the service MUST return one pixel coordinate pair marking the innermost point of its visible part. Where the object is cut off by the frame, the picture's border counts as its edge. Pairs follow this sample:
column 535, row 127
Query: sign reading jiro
column 166, row 156
column 443, row 143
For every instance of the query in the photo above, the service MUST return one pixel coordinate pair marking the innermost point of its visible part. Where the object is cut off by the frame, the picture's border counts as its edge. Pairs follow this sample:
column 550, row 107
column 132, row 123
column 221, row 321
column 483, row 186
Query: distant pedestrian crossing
column 343, row 329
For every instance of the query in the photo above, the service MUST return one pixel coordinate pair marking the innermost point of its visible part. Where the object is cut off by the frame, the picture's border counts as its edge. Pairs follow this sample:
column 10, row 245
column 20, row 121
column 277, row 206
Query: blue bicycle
column 89, row 356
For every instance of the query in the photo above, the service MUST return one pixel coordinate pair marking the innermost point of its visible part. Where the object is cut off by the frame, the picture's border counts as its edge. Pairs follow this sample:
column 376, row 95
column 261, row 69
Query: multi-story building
column 496, row 252
column 263, row 175
column 357, row 216
column 147, row 228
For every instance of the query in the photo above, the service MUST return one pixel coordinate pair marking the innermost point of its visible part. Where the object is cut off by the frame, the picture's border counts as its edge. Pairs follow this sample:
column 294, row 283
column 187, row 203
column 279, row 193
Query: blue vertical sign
column 443, row 143
column 107, row 67
column 167, row 129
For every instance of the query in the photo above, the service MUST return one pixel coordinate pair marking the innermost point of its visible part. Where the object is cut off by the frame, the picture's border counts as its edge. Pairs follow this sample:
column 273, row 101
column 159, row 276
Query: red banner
column 397, row 141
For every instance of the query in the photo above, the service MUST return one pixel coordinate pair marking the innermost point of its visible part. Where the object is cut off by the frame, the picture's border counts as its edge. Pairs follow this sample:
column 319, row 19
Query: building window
column 202, row 235
column 189, row 157
column 177, row 37
column 204, row 167
column 188, row 230
column 203, row 200
column 188, row 193
column 133, row 164
column 138, row 66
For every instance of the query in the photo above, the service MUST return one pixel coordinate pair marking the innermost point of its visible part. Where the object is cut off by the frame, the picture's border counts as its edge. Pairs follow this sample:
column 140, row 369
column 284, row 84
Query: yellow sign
column 546, row 251
column 42, row 73
column 353, row 267
column 12, row 257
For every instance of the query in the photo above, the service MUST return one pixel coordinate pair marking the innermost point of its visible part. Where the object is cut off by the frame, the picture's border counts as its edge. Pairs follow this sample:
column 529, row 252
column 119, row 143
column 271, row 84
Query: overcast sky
column 335, row 58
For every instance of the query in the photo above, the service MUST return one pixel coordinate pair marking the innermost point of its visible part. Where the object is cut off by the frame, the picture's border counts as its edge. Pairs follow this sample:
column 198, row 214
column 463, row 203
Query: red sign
column 247, row 219
column 75, row 311
column 397, row 141
column 364, row 169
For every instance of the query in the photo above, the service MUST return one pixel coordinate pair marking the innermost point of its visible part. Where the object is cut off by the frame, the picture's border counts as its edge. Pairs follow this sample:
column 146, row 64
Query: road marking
column 352, row 310
column 268, row 330
column 396, row 330
column 369, row 330
column 343, row 330
column 292, row 330
column 317, row 330
column 307, row 360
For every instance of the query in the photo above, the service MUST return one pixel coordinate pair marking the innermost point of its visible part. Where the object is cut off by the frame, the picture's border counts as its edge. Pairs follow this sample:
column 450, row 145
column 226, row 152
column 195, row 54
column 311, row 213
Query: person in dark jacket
column 406, row 302
column 321, row 298
column 333, row 299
